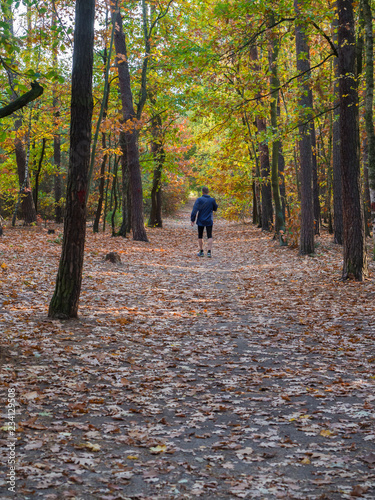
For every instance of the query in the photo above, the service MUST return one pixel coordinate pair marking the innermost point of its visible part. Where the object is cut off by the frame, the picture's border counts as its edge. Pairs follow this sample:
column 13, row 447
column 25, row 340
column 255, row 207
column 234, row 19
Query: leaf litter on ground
column 248, row 375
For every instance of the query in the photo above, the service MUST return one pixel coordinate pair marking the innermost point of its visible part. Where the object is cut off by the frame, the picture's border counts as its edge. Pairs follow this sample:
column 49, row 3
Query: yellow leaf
column 306, row 461
column 326, row 433
column 155, row 450
column 92, row 446
column 132, row 457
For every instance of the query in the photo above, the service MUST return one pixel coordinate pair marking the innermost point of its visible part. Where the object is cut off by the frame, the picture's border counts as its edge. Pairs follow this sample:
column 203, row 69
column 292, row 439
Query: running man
column 204, row 206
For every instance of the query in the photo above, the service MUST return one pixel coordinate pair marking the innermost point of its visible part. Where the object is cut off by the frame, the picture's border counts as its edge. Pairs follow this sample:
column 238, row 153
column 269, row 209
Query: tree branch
column 22, row 101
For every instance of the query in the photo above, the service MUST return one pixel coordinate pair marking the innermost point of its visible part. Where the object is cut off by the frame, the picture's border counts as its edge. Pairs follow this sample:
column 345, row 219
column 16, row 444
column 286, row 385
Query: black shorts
column 201, row 229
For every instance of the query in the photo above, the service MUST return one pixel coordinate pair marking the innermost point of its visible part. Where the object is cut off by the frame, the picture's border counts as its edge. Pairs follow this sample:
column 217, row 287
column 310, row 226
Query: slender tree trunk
column 114, row 197
column 106, row 193
column 158, row 154
column 369, row 115
column 366, row 197
column 130, row 132
column 266, row 191
column 338, row 224
column 37, row 175
column 264, row 161
column 101, row 189
column 64, row 303
column 314, row 164
column 56, row 137
column 57, row 176
column 103, row 115
column 281, row 169
column 125, row 225
column 303, row 66
column 28, row 212
column 354, row 242
column 274, row 86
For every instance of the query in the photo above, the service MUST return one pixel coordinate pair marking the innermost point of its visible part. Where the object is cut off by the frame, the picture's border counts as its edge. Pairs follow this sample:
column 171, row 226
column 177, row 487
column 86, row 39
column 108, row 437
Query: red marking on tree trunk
column 81, row 196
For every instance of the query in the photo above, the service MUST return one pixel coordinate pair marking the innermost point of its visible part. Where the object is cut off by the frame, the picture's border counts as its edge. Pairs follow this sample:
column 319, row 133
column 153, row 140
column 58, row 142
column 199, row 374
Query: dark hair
column 205, row 190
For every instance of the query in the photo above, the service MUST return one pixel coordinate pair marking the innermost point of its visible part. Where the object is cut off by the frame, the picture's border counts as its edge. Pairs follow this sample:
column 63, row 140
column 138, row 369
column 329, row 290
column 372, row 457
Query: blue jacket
column 204, row 206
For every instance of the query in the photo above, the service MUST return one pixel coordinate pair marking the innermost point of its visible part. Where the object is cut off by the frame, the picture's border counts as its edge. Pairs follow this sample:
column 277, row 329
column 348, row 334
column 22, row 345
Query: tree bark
column 158, row 154
column 37, row 175
column 64, row 303
column 101, row 189
column 56, row 136
column 305, row 104
column 314, row 165
column 354, row 265
column 22, row 101
column 274, row 86
column 130, row 132
column 369, row 115
column 126, row 201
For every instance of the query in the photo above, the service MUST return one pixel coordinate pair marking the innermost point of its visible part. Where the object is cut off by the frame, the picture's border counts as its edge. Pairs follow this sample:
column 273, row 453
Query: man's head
column 205, row 190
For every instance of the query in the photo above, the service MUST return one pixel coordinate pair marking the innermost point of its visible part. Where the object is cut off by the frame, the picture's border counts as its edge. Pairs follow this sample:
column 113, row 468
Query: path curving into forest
column 248, row 375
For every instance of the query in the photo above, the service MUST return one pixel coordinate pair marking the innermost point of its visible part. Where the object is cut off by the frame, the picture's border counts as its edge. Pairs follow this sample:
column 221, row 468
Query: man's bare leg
column 200, row 243
column 209, row 244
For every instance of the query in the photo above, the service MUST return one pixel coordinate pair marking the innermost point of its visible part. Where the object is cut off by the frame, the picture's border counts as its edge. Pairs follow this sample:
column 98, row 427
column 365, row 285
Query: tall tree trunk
column 28, row 212
column 314, row 164
column 369, row 115
column 37, row 175
column 99, row 208
column 126, row 201
column 281, row 169
column 114, row 196
column 354, row 242
column 366, row 194
column 56, row 137
column 57, row 176
column 303, row 66
column 266, row 191
column 64, row 303
column 264, row 161
column 130, row 132
column 274, row 86
column 103, row 115
column 158, row 154
column 338, row 225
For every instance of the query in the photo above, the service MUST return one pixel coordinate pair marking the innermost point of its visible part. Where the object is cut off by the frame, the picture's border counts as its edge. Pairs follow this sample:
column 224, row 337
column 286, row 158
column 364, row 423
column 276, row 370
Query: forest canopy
column 245, row 97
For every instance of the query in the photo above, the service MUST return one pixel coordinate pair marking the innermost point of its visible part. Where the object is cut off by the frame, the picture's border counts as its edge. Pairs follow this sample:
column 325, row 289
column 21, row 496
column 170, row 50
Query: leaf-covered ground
column 248, row 375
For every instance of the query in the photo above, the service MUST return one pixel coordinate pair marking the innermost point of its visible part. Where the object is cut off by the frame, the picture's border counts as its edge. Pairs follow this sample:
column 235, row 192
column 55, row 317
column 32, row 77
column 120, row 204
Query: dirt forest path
column 248, row 375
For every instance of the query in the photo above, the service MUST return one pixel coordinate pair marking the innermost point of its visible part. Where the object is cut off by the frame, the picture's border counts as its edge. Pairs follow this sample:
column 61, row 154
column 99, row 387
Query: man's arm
column 214, row 205
column 194, row 212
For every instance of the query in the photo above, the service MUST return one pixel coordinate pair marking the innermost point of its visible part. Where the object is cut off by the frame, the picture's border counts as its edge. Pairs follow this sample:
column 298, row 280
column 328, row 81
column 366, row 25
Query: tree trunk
column 56, row 137
column 158, row 154
column 281, row 169
column 354, row 265
column 101, row 189
column 314, row 165
column 264, row 159
column 125, row 226
column 130, row 132
column 114, row 197
column 28, row 212
column 57, row 177
column 305, row 104
column 64, row 303
column 274, row 86
column 369, row 115
column 338, row 228
column 37, row 175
